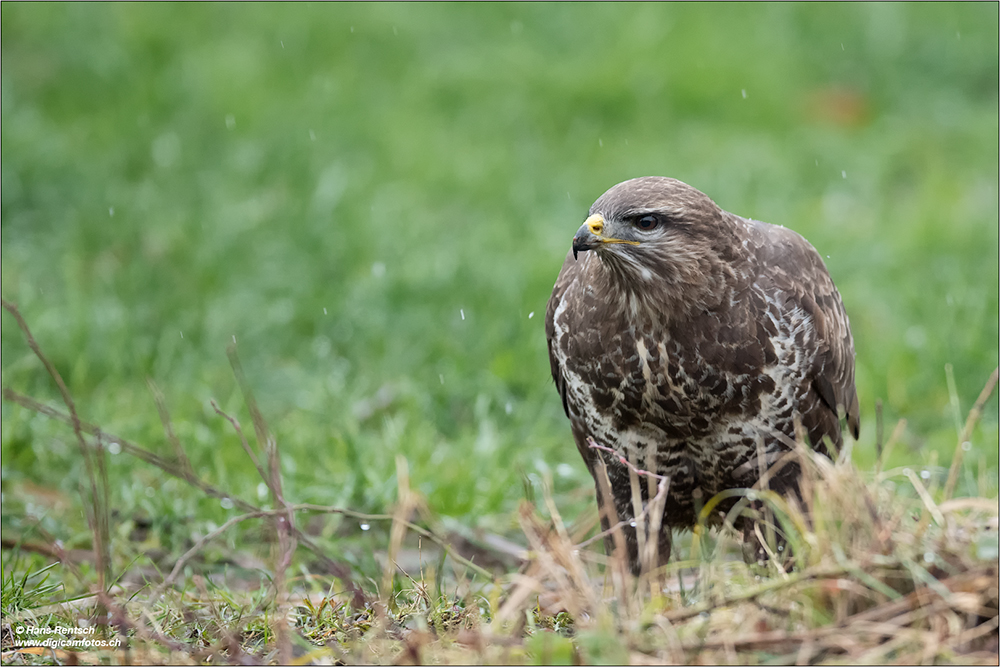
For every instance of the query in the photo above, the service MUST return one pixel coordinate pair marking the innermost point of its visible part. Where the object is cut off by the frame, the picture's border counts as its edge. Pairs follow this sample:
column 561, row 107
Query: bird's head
column 656, row 234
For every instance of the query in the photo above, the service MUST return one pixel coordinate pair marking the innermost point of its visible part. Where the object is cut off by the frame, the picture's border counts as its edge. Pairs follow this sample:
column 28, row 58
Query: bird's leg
column 629, row 506
column 664, row 544
column 616, row 517
column 617, row 510
column 767, row 542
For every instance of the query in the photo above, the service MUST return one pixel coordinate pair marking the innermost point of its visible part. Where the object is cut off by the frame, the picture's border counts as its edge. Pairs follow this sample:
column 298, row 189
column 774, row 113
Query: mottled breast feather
column 689, row 338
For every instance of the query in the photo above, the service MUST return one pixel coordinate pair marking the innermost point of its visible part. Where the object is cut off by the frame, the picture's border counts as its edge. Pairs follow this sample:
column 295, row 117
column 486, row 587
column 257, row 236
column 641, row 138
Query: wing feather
column 566, row 277
column 796, row 269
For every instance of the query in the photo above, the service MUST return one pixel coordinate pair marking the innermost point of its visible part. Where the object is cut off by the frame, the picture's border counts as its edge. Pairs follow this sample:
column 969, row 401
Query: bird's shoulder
column 795, row 282
column 785, row 257
column 787, row 272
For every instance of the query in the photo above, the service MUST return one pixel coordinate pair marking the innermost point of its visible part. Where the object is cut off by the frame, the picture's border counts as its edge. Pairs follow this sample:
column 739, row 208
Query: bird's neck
column 659, row 301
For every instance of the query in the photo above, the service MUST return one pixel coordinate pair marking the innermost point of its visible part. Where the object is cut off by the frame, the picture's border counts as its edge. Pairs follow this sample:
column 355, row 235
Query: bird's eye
column 647, row 222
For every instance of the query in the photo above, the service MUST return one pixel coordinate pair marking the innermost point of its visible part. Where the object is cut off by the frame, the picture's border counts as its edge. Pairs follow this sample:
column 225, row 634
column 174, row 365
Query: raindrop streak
column 600, row 143
column 182, row 334
column 282, row 44
column 324, row 311
column 462, row 312
column 744, row 91
column 111, row 211
column 312, row 135
column 531, row 314
column 844, row 174
column 441, row 377
column 234, row 339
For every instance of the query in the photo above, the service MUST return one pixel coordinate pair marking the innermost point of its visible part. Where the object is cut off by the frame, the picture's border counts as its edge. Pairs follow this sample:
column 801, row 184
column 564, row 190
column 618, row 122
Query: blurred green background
column 375, row 200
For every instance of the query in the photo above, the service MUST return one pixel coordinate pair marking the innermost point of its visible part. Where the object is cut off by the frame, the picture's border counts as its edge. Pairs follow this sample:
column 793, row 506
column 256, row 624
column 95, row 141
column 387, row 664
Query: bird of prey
column 691, row 341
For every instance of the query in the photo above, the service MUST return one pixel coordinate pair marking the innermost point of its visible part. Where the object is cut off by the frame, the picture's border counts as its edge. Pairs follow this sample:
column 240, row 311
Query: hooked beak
column 591, row 235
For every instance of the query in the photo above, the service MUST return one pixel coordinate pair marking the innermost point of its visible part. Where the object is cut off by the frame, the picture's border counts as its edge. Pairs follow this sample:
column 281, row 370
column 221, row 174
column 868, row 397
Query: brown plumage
column 688, row 340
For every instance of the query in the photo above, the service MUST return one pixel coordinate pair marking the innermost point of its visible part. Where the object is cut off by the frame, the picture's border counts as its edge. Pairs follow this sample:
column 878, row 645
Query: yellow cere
column 595, row 224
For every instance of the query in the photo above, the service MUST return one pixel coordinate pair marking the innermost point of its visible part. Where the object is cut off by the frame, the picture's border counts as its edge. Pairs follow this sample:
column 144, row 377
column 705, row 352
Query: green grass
column 374, row 200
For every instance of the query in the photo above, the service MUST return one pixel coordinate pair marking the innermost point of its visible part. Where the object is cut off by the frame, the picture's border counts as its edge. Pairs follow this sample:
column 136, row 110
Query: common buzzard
column 691, row 340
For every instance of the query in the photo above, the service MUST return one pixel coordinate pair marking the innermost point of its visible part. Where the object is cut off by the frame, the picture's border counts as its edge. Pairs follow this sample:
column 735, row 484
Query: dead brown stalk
column 98, row 514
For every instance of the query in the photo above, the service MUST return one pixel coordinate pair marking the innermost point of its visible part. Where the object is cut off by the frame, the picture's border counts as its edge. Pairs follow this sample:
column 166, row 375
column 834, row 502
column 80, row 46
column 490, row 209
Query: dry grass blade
column 397, row 533
column 925, row 496
column 548, row 554
column 568, row 554
column 970, row 423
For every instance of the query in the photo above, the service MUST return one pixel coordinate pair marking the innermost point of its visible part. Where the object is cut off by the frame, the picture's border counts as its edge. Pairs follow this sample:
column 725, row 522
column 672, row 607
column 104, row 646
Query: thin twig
column 161, row 407
column 621, row 459
column 259, row 424
column 879, row 429
column 200, row 544
column 409, row 525
column 243, row 439
column 284, row 525
column 894, row 437
column 127, row 446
